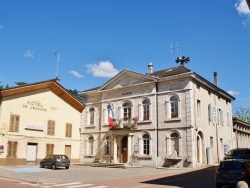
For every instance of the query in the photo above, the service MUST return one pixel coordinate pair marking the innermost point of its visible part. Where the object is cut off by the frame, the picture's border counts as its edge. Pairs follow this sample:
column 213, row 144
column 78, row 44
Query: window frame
column 68, row 130
column 14, row 123
column 51, row 127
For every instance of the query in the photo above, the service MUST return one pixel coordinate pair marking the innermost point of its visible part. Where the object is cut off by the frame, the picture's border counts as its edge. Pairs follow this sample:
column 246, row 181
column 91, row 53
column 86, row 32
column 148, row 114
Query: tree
column 74, row 93
column 20, row 83
column 243, row 114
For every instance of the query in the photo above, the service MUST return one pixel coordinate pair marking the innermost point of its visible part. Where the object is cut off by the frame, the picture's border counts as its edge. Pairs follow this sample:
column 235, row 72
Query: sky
column 86, row 42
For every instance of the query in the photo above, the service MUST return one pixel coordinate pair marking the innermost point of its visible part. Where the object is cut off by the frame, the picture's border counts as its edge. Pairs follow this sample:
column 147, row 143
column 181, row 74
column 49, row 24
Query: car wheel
column 41, row 165
column 67, row 167
column 53, row 166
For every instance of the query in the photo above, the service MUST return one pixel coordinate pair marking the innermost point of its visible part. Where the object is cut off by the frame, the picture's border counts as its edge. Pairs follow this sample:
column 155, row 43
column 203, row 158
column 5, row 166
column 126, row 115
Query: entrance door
column 124, row 149
column 31, row 153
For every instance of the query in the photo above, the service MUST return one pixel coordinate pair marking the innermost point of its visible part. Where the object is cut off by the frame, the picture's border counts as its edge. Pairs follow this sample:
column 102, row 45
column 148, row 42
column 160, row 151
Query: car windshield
column 231, row 165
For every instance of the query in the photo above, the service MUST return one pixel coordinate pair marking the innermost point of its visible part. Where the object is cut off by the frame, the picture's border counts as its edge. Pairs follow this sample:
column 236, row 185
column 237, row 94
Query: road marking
column 66, row 184
column 82, row 185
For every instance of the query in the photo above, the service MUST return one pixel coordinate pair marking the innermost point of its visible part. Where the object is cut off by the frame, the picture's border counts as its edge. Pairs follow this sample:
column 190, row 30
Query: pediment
column 125, row 79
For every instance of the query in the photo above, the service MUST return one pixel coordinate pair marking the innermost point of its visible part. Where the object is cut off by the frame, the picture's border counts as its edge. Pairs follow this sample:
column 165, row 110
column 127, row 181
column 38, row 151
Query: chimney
column 215, row 79
column 150, row 68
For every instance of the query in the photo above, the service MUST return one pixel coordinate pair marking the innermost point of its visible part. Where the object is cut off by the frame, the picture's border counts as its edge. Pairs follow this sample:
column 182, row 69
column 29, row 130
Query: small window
column 51, row 128
column 68, row 132
column 92, row 116
column 198, row 108
column 174, row 107
column 91, row 145
column 145, row 104
column 14, row 123
column 126, row 110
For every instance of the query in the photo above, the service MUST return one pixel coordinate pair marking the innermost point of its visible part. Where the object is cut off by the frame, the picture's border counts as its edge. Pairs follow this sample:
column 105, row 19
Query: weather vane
column 182, row 60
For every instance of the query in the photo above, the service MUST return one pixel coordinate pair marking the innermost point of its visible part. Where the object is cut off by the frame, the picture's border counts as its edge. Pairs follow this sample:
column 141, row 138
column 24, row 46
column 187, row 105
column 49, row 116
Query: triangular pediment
column 126, row 78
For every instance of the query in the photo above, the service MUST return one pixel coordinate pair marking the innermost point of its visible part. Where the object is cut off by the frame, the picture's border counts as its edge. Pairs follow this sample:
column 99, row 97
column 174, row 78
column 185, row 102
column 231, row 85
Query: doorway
column 124, row 155
column 31, row 153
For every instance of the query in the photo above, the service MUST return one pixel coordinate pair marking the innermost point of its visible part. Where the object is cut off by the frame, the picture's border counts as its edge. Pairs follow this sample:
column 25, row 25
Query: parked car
column 55, row 161
column 230, row 172
column 238, row 153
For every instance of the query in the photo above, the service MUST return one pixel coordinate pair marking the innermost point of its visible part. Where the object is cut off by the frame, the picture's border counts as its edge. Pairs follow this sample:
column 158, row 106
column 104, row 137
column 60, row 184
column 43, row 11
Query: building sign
column 1, row 149
column 34, row 105
column 127, row 93
column 34, row 127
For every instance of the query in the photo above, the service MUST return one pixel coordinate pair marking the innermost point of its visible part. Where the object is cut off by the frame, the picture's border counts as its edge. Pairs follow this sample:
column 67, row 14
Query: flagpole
column 58, row 56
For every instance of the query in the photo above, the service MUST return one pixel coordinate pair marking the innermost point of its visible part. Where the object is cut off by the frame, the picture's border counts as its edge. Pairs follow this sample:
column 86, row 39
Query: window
column 51, row 127
column 211, row 141
column 210, row 118
column 68, row 132
column 126, row 110
column 49, row 149
column 12, row 149
column 145, row 104
column 14, row 123
column 107, row 145
column 146, row 144
column 198, row 108
column 174, row 107
column 91, row 116
column 91, row 145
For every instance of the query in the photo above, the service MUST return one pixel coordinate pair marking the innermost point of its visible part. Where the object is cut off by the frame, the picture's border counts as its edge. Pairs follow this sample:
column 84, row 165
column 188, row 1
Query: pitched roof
column 53, row 85
column 170, row 72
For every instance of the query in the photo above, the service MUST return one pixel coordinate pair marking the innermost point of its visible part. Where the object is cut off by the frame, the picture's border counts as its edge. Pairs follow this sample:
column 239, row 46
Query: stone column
column 129, row 145
column 115, row 149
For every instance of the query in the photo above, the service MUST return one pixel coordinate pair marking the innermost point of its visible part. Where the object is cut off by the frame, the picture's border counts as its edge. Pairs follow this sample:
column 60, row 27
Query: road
column 98, row 177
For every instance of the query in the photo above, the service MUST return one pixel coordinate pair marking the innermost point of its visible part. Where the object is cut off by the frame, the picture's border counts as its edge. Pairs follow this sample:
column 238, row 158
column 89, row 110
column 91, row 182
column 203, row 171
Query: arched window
column 107, row 145
column 175, row 143
column 145, row 105
column 126, row 110
column 146, row 144
column 91, row 116
column 174, row 107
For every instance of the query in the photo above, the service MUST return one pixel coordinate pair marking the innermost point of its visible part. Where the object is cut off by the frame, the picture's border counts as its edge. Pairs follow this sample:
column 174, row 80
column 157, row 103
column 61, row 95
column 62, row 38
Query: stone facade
column 169, row 118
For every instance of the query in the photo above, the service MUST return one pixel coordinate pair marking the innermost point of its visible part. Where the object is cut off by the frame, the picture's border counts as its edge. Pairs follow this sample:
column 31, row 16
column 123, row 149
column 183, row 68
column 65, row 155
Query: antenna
column 58, row 57
column 178, row 49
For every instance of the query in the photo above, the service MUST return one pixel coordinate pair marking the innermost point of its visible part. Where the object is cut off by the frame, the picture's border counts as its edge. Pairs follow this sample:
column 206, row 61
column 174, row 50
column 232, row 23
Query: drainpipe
column 157, row 121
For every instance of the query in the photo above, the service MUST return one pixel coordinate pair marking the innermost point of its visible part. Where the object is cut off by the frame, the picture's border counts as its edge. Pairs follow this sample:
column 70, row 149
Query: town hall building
column 167, row 118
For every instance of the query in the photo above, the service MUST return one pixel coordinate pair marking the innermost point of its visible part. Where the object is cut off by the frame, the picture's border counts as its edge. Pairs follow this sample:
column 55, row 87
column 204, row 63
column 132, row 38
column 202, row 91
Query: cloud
column 243, row 9
column 1, row 27
column 29, row 53
column 76, row 74
column 102, row 69
column 233, row 93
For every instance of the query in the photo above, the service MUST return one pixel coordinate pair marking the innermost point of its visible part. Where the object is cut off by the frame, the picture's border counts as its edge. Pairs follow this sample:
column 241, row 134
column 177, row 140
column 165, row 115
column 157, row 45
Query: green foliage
column 20, row 83
column 243, row 114
column 74, row 93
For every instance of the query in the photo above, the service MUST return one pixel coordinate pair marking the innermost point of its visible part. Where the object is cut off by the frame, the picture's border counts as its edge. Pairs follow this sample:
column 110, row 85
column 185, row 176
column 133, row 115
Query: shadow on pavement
column 203, row 178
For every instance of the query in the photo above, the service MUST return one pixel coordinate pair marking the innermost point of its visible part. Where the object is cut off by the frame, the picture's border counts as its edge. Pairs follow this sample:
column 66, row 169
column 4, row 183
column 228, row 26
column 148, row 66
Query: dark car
column 230, row 172
column 55, row 161
column 238, row 153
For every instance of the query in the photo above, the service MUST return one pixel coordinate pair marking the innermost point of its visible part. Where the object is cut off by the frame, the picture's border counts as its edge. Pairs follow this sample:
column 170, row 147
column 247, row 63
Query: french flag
column 111, row 116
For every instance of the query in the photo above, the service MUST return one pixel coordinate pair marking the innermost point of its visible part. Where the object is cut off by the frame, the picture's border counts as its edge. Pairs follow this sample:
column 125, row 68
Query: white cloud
column 102, row 69
column 76, row 74
column 233, row 93
column 29, row 53
column 243, row 9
